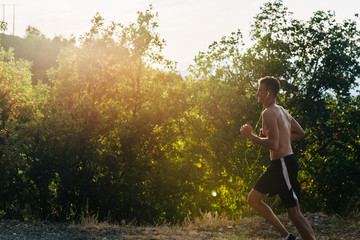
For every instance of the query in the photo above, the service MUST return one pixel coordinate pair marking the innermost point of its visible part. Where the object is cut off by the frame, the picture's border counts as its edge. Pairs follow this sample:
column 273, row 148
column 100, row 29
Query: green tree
column 119, row 133
column 3, row 26
column 38, row 49
column 331, row 161
column 311, row 58
column 98, row 145
column 315, row 60
column 223, row 99
column 17, row 110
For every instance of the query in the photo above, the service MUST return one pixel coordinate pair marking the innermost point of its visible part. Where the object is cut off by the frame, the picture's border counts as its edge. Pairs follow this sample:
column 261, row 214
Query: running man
column 279, row 129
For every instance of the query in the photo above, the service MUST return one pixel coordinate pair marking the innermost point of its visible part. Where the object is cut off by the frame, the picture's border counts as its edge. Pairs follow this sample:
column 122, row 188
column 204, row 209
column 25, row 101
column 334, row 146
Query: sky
column 188, row 26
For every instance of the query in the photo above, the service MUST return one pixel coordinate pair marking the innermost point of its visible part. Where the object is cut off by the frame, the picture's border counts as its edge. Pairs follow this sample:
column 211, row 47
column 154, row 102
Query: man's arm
column 271, row 141
column 296, row 130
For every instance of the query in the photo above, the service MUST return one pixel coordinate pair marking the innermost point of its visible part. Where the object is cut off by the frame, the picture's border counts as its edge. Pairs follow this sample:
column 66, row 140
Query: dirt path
column 256, row 228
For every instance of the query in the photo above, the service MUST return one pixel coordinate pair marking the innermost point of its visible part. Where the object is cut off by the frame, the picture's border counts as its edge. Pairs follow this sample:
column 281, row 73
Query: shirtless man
column 279, row 129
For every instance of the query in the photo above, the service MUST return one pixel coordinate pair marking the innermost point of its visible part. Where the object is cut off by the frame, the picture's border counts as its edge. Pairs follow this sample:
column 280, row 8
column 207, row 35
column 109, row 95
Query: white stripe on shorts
column 287, row 179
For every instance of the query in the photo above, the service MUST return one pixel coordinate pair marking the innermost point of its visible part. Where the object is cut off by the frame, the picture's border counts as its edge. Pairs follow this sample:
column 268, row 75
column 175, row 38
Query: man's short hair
column 272, row 84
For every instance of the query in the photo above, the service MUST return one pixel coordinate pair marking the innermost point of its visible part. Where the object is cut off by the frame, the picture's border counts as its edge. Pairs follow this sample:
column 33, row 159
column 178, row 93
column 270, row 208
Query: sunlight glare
column 213, row 193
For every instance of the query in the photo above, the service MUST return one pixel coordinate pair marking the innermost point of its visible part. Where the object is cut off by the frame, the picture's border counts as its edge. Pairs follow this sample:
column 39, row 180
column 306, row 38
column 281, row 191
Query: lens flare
column 213, row 193
column 198, row 165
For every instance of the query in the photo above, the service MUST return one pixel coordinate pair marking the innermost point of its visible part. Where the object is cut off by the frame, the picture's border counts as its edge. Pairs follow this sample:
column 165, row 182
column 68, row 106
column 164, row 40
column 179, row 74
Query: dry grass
column 209, row 220
column 211, row 226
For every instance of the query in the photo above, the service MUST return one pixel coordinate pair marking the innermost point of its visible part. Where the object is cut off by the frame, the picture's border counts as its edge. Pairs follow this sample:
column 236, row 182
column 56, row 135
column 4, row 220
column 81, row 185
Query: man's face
column 262, row 93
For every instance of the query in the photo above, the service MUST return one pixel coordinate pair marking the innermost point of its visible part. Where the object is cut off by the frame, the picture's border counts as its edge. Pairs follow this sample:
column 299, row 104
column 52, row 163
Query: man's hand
column 246, row 130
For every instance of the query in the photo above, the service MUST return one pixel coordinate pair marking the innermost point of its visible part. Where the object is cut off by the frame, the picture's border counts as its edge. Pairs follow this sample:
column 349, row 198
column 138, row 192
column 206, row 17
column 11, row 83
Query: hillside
column 38, row 49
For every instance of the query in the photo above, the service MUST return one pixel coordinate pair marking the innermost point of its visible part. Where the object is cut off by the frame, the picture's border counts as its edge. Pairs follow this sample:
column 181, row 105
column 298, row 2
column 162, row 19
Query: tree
column 316, row 62
column 17, row 109
column 119, row 134
column 99, row 142
column 331, row 160
column 38, row 49
column 3, row 26
column 317, row 57
column 33, row 32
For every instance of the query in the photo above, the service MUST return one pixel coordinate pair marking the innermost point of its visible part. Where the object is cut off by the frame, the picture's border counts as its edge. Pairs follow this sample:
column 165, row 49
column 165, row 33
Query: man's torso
column 283, row 120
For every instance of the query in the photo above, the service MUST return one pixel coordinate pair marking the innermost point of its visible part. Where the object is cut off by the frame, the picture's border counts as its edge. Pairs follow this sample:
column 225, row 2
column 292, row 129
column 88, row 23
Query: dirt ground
column 325, row 227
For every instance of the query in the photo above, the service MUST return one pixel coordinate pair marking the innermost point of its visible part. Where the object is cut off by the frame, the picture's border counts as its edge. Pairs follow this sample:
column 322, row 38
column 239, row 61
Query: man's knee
column 293, row 216
column 294, row 213
column 254, row 198
column 250, row 200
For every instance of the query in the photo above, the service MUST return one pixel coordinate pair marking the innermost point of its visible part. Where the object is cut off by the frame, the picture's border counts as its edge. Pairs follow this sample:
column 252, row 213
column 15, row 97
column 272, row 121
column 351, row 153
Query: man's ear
column 268, row 93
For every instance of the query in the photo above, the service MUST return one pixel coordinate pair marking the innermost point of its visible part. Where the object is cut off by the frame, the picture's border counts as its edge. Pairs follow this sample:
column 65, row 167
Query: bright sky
column 188, row 26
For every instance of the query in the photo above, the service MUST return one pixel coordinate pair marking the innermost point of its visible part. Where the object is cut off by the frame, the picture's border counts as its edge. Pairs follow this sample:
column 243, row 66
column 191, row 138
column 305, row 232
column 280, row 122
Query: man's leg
column 255, row 201
column 301, row 223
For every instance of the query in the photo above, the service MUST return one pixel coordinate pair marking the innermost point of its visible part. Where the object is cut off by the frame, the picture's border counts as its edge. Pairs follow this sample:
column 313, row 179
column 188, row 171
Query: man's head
column 271, row 84
column 269, row 88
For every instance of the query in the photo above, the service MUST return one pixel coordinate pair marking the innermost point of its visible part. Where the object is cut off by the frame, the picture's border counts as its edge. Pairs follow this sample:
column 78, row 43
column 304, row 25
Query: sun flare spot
column 213, row 193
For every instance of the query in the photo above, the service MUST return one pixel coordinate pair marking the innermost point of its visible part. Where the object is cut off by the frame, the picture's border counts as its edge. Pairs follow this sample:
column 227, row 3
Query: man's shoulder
column 269, row 113
column 271, row 110
column 274, row 111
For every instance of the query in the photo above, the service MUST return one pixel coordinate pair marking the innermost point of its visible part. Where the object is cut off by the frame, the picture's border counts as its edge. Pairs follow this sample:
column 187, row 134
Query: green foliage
column 331, row 163
column 3, row 26
column 98, row 143
column 319, row 65
column 224, row 98
column 17, row 102
column 115, row 131
column 315, row 61
column 38, row 49
column 312, row 58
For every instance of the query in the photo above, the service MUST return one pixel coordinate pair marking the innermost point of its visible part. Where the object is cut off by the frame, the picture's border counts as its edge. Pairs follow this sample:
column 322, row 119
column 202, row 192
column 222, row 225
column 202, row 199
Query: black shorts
column 281, row 178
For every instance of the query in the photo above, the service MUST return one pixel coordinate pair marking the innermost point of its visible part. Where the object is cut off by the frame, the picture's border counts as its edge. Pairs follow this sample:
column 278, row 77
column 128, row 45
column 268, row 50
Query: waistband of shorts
column 275, row 161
